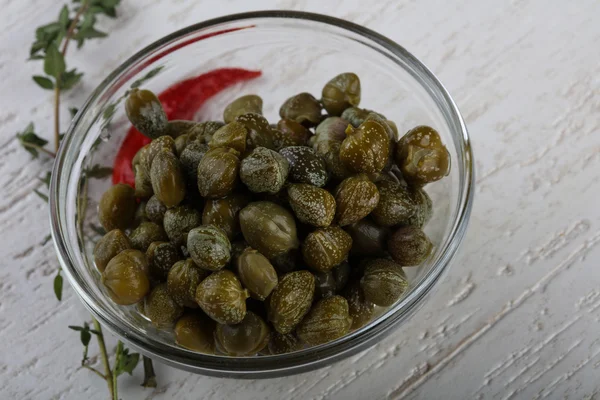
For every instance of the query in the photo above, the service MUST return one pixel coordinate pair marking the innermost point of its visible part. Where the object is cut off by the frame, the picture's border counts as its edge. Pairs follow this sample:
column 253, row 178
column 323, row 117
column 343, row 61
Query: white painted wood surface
column 518, row 315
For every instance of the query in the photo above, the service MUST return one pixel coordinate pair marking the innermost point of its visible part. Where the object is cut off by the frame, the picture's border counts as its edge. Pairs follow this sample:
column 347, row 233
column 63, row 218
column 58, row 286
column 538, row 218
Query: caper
column 260, row 133
column 218, row 172
column 160, row 307
column 222, row 297
column 283, row 343
column 181, row 143
column 202, row 132
column 244, row 339
column 355, row 197
column 224, row 213
column 409, row 246
column 190, row 158
column 302, row 108
column 356, row 116
column 291, row 300
column 145, row 234
column 290, row 133
column 140, row 214
column 195, row 331
column 256, row 273
column 161, row 257
column 312, row 205
column 126, row 277
column 178, row 221
column 366, row 148
column 326, row 247
column 423, row 208
column 368, row 238
column 392, row 133
column 395, row 206
column 209, row 247
column 250, row 103
column 109, row 246
column 341, row 92
column 264, row 171
column 231, row 135
column 330, row 152
column 341, row 275
column 287, row 262
column 155, row 210
column 143, row 183
column 182, row 281
column 158, row 145
column 306, row 166
column 328, row 320
column 383, row 282
column 168, row 182
column 360, row 309
column 324, row 284
column 178, row 127
column 139, row 156
column 331, row 129
column 146, row 113
column 117, row 207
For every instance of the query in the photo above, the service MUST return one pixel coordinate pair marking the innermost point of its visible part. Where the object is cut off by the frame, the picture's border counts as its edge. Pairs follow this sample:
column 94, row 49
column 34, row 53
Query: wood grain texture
column 516, row 317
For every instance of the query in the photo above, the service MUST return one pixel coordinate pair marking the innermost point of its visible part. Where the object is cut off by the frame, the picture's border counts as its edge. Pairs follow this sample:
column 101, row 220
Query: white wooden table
column 518, row 316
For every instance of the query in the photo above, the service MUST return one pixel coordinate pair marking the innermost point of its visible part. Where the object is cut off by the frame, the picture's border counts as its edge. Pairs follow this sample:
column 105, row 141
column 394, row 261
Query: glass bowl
column 296, row 52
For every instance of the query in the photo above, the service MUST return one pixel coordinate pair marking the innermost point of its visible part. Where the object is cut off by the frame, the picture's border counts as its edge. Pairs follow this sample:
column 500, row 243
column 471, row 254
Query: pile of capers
column 248, row 238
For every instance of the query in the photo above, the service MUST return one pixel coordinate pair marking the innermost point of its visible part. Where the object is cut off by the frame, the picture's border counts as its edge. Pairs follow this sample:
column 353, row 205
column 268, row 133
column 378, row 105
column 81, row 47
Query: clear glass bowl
column 296, row 52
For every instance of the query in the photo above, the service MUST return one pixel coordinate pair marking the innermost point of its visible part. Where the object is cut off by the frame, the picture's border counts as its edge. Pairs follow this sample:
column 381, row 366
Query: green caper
column 269, row 228
column 140, row 214
column 422, row 157
column 158, row 145
column 155, row 210
column 283, row 343
column 256, row 273
column 145, row 234
column 392, row 133
column 355, row 197
column 312, row 205
column 341, row 275
column 302, row 108
column 161, row 257
column 423, row 208
column 383, row 282
column 209, row 247
column 218, row 172
column 168, row 182
column 264, row 171
column 291, row 133
column 221, row 297
column 160, row 307
column 146, row 113
column 195, row 331
column 326, row 247
column 356, row 116
column 330, row 152
column 109, row 246
column 331, row 129
column 237, row 248
column 324, row 284
column 396, row 204
column 178, row 127
column 143, row 183
column 224, row 213
column 231, row 135
column 178, row 221
column 360, row 309
column 287, row 262
column 181, row 143
column 368, row 238
column 260, row 133
column 190, row 158
column 202, row 132
column 409, row 246
column 244, row 339
column 250, row 103
column 366, row 148
column 126, row 277
column 306, row 166
column 139, row 156
column 328, row 320
column 182, row 281
column 117, row 206
column 291, row 300
column 341, row 92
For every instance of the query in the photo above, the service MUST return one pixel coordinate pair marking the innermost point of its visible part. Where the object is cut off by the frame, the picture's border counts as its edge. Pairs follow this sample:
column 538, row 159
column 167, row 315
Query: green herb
column 32, row 142
column 99, row 172
column 98, row 229
column 58, row 285
column 41, row 195
column 151, row 74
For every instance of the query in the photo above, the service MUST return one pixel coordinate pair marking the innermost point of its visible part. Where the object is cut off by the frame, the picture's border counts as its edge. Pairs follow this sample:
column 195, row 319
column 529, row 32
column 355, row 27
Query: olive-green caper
column 117, row 207
column 237, row 248
column 269, row 228
column 224, row 213
column 330, row 152
column 146, row 113
column 139, row 156
column 360, row 309
column 392, row 133
column 264, row 171
column 202, row 132
column 143, row 183
column 312, row 205
column 356, row 116
column 290, row 133
column 422, row 157
column 250, row 103
column 291, row 300
column 283, row 343
column 326, row 247
column 328, row 320
column 221, row 297
column 244, row 339
column 423, row 208
column 383, row 282
column 155, row 210
column 260, row 133
column 396, row 204
column 218, row 172
column 368, row 238
column 109, row 246
column 190, row 158
column 195, row 331
column 341, row 92
column 182, row 281
column 181, row 143
column 256, row 273
column 306, row 166
column 231, row 135
column 331, row 129
column 409, row 246
column 287, row 262
column 178, row 127
column 126, row 277
column 178, row 221
column 160, row 307
column 140, row 214
column 302, row 108
column 209, row 247
column 341, row 275
column 355, row 197
column 161, row 257
column 324, row 284
column 146, row 233
column 366, row 149
column 168, row 182
column 158, row 145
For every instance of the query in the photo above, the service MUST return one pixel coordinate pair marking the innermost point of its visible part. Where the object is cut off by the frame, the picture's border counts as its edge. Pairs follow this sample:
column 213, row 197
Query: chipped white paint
column 517, row 315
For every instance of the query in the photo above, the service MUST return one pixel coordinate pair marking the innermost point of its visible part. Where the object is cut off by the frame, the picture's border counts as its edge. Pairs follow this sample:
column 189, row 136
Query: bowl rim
column 307, row 359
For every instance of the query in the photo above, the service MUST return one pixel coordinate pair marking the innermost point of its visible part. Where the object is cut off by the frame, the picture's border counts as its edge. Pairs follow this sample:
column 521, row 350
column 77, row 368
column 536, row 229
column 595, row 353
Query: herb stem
column 94, row 370
column 118, row 354
column 39, row 148
column 108, row 374
column 149, row 375
column 73, row 25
